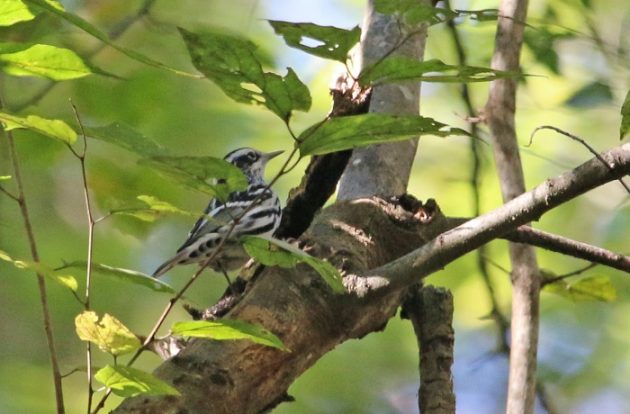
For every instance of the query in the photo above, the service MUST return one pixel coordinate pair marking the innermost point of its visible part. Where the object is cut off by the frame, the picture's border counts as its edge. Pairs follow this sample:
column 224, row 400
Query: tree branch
column 430, row 310
column 384, row 169
column 295, row 304
column 525, row 275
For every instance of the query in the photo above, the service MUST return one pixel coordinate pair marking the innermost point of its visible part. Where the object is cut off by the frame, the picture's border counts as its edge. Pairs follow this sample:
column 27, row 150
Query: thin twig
column 90, row 249
column 9, row 194
column 581, row 141
column 41, row 282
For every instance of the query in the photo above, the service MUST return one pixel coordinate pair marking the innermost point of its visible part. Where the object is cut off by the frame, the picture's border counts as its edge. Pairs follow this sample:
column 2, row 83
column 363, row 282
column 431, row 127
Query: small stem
column 90, row 249
column 41, row 283
column 10, row 195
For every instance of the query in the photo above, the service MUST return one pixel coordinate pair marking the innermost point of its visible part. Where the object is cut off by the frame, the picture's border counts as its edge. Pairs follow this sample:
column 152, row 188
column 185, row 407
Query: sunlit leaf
column 42, row 61
column 129, row 382
column 93, row 31
column 348, row 132
column 598, row 288
column 63, row 279
column 124, row 275
column 5, row 177
column 211, row 175
column 227, row 329
column 625, row 117
column 127, row 138
column 332, row 42
column 52, row 128
column 109, row 334
column 14, row 11
column 230, row 62
column 274, row 252
column 401, row 68
column 414, row 11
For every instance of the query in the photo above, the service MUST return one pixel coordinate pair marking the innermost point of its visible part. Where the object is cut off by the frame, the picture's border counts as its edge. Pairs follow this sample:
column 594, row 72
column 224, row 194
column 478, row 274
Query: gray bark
column 525, row 274
column 384, row 169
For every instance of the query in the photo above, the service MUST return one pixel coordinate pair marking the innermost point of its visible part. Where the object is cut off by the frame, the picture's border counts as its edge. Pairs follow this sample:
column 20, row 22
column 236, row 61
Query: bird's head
column 252, row 162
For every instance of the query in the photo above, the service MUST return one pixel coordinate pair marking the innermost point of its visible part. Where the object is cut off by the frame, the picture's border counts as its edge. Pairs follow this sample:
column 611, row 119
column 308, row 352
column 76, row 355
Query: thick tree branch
column 384, row 169
column 356, row 236
column 430, row 310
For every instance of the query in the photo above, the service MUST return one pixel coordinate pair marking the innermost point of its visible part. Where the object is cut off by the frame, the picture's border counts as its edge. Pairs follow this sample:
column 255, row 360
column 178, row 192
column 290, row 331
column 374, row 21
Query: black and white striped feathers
column 261, row 218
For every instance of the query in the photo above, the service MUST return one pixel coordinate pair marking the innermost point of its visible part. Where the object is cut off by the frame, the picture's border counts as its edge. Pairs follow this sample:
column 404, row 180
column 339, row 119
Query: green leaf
column 598, row 288
column 625, row 117
column 591, row 95
column 14, row 11
column 230, row 62
column 195, row 172
column 93, row 31
column 129, row 382
column 348, row 132
column 335, row 42
column 127, row 138
column 274, row 252
column 414, row 11
column 110, row 335
column 154, row 208
column 125, row 275
column 227, row 329
column 5, row 177
column 541, row 41
column 42, row 61
column 401, row 68
column 64, row 280
column 52, row 128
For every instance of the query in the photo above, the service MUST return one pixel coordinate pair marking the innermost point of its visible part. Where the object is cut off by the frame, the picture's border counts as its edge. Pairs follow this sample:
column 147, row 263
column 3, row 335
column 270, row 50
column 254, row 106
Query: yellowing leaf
column 110, row 335
column 587, row 289
column 62, row 279
column 44, row 61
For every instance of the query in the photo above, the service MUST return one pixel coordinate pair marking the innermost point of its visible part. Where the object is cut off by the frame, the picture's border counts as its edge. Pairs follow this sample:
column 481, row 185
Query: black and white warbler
column 262, row 218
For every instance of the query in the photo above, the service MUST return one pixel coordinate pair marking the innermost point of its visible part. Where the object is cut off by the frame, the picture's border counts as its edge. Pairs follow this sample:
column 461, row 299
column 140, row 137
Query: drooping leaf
column 14, row 11
column 127, row 138
column 401, row 68
column 52, row 128
column 43, row 61
column 333, row 42
column 274, row 252
column 125, row 275
column 230, row 62
column 541, row 41
column 591, row 95
column 63, row 279
column 414, row 11
column 625, row 117
column 129, row 382
column 211, row 175
column 109, row 334
column 598, row 288
column 348, row 132
column 93, row 31
column 227, row 329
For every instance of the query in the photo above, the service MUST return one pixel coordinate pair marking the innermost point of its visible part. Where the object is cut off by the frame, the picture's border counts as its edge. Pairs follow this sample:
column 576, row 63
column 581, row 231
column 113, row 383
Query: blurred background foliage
column 577, row 52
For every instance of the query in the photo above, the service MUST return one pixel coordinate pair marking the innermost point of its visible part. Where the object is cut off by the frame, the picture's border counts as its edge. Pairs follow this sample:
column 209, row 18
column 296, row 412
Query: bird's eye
column 252, row 156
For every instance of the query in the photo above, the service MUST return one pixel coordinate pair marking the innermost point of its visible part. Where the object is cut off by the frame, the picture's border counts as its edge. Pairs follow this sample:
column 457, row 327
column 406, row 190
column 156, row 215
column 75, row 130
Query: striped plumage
column 261, row 219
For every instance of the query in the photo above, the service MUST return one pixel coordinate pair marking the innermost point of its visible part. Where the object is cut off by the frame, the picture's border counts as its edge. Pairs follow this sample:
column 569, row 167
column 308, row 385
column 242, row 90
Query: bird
column 253, row 211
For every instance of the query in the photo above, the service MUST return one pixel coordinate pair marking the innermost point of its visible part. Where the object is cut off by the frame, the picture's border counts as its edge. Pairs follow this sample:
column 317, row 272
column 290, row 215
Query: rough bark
column 525, row 275
column 364, row 238
column 430, row 310
column 384, row 169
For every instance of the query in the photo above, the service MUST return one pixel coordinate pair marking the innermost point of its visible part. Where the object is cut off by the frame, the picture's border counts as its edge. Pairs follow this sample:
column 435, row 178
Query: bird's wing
column 216, row 219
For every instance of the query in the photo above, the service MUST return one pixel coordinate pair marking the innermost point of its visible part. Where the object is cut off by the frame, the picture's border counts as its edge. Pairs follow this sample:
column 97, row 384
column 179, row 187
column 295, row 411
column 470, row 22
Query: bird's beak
column 271, row 155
